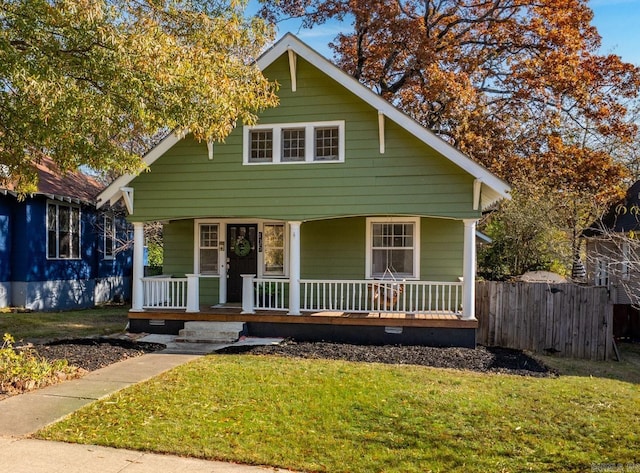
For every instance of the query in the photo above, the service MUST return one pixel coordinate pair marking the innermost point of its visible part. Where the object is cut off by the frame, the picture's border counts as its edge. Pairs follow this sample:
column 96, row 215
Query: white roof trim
column 113, row 193
column 493, row 188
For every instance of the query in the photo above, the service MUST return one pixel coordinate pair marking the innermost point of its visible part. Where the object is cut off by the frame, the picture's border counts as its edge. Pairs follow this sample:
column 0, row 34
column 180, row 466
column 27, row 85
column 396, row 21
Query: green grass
column 317, row 415
column 71, row 324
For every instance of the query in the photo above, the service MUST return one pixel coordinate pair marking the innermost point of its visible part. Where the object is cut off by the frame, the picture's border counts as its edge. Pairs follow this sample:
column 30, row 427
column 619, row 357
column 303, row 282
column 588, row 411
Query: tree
column 82, row 80
column 499, row 79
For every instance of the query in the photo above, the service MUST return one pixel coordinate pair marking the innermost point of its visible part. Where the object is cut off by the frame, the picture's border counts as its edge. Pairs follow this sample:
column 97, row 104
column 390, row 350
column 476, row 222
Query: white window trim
column 222, row 250
column 285, row 248
column 309, row 142
column 46, row 226
column 105, row 235
column 416, row 243
column 196, row 248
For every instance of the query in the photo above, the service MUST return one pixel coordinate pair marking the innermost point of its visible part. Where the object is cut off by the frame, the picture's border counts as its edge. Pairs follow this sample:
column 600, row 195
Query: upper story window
column 393, row 248
column 63, row 231
column 294, row 143
column 109, row 236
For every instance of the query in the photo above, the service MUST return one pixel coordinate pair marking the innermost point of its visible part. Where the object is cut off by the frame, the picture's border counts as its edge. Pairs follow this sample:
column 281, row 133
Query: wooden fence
column 564, row 319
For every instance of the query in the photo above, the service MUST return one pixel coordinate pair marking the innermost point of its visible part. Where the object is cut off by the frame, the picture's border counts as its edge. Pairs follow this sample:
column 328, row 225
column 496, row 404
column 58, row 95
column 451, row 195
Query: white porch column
column 137, row 289
column 294, row 268
column 193, row 293
column 248, row 295
column 469, row 270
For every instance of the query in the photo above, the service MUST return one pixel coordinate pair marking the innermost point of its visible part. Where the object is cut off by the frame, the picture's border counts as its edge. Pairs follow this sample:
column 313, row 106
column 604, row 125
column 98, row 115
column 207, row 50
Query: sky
column 617, row 21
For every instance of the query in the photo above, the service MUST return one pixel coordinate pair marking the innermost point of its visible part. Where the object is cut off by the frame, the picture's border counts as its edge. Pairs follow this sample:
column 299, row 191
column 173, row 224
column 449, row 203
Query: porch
column 373, row 312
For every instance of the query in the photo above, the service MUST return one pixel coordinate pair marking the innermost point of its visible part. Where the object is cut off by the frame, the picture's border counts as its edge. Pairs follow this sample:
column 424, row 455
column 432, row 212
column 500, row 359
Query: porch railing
column 316, row 295
column 381, row 296
column 271, row 294
column 164, row 292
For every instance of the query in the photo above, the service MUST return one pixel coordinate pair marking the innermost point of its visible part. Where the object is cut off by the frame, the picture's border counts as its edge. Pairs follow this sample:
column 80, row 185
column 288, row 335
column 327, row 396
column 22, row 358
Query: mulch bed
column 94, row 353
column 481, row 359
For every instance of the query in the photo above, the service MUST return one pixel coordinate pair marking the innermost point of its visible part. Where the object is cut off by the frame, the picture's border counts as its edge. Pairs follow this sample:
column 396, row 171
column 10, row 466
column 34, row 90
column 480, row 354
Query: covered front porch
column 296, row 296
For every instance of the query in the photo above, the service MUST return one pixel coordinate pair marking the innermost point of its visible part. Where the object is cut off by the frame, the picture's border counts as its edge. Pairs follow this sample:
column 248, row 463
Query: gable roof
column 622, row 217
column 74, row 187
column 492, row 187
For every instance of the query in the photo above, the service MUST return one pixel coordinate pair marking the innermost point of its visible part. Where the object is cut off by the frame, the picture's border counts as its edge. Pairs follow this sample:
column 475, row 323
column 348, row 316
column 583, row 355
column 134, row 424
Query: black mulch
column 482, row 359
column 94, row 353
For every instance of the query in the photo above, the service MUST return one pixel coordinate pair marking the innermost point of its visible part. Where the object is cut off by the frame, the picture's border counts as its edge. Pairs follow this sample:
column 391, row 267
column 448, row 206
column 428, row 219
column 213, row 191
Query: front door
column 242, row 257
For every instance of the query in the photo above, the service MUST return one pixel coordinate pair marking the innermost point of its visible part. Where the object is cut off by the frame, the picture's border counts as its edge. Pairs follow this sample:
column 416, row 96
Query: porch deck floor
column 232, row 313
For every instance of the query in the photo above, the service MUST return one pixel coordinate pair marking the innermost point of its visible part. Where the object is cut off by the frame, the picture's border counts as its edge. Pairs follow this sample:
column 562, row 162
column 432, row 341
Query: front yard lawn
column 70, row 324
column 334, row 416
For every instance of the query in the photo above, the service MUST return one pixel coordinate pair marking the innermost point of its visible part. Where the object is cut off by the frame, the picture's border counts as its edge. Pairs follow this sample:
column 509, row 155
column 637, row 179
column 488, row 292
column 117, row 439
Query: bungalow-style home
column 335, row 217
column 57, row 250
column 613, row 260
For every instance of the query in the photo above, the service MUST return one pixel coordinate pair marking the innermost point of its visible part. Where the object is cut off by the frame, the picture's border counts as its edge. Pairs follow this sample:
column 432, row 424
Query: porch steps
column 211, row 332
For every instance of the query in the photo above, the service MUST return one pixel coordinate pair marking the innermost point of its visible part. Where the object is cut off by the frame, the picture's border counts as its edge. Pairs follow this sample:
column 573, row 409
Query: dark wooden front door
column 242, row 257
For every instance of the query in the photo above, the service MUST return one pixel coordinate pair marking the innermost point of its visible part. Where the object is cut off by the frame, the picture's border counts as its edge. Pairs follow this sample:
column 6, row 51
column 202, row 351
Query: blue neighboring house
column 57, row 250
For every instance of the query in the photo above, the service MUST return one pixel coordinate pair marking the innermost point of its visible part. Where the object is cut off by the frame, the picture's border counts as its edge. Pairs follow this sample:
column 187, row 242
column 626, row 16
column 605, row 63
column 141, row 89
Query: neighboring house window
column 602, row 272
column 294, row 143
column 626, row 260
column 109, row 236
column 393, row 248
column 208, row 248
column 273, row 241
column 63, row 231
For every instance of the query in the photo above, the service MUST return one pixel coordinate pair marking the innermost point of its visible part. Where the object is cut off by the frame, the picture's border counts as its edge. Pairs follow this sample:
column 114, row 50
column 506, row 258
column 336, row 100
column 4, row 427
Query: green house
column 336, row 205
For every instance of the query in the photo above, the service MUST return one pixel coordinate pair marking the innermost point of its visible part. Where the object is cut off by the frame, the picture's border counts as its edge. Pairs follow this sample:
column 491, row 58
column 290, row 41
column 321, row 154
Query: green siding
column 333, row 249
column 441, row 250
column 409, row 179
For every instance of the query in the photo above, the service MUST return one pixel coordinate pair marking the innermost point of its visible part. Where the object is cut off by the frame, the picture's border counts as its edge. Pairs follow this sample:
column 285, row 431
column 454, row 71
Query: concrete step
column 211, row 332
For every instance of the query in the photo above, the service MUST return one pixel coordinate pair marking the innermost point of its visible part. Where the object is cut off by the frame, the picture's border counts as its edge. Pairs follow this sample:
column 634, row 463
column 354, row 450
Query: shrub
column 21, row 369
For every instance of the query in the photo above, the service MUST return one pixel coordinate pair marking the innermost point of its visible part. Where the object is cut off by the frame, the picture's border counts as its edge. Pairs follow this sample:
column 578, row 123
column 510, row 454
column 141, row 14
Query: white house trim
column 277, row 129
column 293, row 69
column 416, row 244
column 113, row 193
column 381, row 131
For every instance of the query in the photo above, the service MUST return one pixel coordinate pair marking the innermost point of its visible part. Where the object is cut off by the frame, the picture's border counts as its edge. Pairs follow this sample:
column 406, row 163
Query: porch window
column 393, row 248
column 208, row 248
column 63, row 231
column 294, row 143
column 273, row 249
column 109, row 236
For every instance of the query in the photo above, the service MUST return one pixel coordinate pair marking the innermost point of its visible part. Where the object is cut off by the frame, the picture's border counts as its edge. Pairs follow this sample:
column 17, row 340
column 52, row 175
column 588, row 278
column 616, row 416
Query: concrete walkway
column 23, row 415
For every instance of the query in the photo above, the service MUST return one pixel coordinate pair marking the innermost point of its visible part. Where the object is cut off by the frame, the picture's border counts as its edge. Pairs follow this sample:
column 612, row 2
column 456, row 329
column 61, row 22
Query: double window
column 393, row 248
column 294, row 143
column 63, row 231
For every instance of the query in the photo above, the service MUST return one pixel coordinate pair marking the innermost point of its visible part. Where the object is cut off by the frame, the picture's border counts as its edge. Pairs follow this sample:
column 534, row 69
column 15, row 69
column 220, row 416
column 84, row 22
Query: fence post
column 248, row 296
column 193, row 293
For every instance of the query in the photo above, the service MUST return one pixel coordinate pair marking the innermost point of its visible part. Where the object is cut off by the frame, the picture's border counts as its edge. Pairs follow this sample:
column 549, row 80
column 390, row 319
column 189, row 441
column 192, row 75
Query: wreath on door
column 243, row 247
